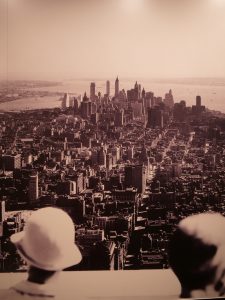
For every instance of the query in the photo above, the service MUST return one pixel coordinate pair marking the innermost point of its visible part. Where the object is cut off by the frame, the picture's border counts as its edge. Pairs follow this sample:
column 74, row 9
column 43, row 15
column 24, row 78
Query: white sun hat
column 48, row 240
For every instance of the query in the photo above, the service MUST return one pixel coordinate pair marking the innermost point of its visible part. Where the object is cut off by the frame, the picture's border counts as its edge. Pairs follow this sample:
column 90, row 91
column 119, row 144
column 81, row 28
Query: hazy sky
column 50, row 39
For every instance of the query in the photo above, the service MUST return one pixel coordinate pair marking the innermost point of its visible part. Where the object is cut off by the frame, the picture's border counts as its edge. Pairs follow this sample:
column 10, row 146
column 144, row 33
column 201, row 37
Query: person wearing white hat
column 47, row 244
column 197, row 256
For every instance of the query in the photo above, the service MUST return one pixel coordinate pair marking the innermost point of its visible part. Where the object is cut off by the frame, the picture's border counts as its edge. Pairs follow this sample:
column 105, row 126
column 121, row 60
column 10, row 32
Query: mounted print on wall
column 113, row 111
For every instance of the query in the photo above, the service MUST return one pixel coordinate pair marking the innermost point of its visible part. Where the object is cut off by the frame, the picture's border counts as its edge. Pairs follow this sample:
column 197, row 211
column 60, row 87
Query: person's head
column 47, row 242
column 197, row 254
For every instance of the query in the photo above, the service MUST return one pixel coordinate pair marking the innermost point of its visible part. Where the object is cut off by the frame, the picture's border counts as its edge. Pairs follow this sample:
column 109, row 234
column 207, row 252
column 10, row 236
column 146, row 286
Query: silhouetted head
column 197, row 254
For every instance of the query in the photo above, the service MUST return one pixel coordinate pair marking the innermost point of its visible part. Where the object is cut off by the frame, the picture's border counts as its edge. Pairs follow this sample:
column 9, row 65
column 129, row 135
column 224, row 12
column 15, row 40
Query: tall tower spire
column 92, row 91
column 117, row 87
column 108, row 87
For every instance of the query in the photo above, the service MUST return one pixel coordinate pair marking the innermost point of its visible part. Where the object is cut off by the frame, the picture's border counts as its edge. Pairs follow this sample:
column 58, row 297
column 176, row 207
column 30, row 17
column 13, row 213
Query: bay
column 211, row 90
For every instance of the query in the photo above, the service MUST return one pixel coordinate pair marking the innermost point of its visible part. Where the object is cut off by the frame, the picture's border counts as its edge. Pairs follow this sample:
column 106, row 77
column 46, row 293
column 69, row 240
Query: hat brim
column 16, row 238
column 70, row 257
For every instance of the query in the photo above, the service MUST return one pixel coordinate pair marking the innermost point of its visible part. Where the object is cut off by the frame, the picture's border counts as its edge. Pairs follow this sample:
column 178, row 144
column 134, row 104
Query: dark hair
column 39, row 275
column 188, row 257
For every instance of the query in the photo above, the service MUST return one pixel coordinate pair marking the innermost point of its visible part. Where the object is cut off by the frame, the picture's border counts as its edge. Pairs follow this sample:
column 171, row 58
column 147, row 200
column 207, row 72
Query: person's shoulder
column 7, row 294
column 4, row 293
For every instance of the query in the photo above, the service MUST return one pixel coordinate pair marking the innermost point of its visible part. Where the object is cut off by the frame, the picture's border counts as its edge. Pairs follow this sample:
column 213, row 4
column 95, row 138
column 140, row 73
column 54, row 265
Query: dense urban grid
column 126, row 166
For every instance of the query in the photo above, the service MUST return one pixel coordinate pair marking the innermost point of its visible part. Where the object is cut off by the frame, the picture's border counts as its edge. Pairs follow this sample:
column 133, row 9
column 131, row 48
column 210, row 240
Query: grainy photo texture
column 112, row 140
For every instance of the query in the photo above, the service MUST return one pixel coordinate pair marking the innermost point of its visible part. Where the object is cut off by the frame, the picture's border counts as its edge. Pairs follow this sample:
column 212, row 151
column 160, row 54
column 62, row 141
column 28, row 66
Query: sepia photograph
column 112, row 149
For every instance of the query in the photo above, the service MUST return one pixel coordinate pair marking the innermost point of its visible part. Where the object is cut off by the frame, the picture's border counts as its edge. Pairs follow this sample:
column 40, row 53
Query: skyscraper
column 102, row 157
column 109, row 161
column 65, row 101
column 130, row 153
column 169, row 99
column 155, row 117
column 143, row 94
column 2, row 218
column 135, row 176
column 117, row 87
column 10, row 162
column 137, row 109
column 85, row 107
column 33, row 188
column 134, row 94
column 180, row 111
column 140, row 178
column 149, row 97
column 108, row 87
column 119, row 118
column 198, row 101
column 122, row 98
column 76, row 105
column 92, row 91
column 198, row 108
column 2, row 211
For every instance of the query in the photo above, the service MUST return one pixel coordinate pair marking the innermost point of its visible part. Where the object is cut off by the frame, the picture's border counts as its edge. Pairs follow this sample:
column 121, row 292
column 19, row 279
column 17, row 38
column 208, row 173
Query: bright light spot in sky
column 132, row 5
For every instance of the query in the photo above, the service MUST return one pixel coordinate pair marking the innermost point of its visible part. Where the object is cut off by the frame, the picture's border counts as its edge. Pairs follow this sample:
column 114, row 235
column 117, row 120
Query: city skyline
column 127, row 166
column 142, row 39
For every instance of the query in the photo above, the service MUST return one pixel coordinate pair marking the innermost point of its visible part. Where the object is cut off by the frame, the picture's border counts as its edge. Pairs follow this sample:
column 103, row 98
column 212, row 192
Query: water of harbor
column 211, row 91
